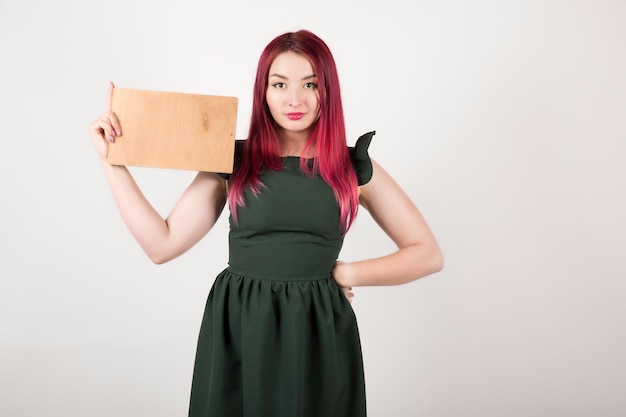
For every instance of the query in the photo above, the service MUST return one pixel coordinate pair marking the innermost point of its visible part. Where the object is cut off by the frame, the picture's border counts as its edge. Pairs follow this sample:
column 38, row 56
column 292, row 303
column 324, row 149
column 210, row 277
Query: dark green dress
column 278, row 336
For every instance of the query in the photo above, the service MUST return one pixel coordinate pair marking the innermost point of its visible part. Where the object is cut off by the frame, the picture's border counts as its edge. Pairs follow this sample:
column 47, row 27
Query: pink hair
column 332, row 159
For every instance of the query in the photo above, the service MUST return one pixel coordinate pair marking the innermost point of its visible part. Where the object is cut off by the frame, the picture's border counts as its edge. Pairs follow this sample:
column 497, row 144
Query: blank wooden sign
column 174, row 130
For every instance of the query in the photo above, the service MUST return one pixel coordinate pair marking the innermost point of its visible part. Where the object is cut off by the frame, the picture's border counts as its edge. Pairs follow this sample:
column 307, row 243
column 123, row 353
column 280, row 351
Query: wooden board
column 174, row 130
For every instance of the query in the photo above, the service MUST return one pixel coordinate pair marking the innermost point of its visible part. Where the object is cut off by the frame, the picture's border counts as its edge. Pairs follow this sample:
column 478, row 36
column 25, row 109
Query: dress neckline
column 295, row 157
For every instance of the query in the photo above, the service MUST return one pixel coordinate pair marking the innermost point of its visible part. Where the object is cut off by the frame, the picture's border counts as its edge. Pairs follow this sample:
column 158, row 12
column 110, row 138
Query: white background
column 503, row 120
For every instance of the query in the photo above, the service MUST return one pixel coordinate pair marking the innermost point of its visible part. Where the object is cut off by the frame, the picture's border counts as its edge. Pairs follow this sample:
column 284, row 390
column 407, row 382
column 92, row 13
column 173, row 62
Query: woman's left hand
column 348, row 293
column 340, row 275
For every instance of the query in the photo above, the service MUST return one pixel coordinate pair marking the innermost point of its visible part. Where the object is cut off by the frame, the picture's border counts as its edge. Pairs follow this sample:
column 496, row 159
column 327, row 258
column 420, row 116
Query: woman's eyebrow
column 308, row 77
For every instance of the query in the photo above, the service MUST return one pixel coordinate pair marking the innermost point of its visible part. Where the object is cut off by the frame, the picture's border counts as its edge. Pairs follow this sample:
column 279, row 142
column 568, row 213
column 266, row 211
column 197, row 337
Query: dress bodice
column 291, row 229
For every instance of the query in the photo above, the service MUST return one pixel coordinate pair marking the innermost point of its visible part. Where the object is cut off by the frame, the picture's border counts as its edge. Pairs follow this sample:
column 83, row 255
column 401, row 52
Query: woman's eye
column 310, row 85
column 279, row 85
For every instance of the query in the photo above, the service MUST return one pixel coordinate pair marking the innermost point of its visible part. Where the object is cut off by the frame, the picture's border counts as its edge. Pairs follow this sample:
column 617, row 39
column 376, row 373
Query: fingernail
column 118, row 132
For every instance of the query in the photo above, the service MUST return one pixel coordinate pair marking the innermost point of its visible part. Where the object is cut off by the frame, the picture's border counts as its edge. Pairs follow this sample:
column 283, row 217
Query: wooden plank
column 174, row 130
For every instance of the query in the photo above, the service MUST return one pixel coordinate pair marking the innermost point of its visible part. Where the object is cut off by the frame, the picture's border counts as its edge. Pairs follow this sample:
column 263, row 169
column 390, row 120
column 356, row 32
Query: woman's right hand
column 104, row 129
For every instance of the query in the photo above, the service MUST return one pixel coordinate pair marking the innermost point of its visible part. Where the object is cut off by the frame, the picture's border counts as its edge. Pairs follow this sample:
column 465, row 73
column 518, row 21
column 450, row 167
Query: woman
column 279, row 337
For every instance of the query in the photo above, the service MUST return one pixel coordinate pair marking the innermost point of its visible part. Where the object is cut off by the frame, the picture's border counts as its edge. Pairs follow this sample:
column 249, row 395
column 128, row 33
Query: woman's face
column 292, row 94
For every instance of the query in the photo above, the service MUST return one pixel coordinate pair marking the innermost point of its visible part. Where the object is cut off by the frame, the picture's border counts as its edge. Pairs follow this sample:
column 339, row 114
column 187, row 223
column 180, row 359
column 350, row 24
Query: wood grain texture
column 174, row 130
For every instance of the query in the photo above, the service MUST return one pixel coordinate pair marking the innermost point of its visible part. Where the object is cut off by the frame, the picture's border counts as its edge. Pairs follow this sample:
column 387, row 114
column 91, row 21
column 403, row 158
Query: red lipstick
column 295, row 116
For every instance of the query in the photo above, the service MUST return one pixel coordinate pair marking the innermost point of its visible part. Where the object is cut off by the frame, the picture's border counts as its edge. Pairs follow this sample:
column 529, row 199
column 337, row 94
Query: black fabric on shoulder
column 360, row 158
column 239, row 145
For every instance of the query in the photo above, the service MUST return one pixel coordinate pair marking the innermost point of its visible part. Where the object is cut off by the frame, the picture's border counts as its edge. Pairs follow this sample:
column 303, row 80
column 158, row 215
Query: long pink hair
column 332, row 159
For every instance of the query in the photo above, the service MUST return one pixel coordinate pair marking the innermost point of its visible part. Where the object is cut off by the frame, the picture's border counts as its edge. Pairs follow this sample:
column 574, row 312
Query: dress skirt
column 279, row 348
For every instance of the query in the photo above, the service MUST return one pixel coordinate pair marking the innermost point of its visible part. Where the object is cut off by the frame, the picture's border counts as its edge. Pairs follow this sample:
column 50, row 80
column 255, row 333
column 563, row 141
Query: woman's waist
column 282, row 260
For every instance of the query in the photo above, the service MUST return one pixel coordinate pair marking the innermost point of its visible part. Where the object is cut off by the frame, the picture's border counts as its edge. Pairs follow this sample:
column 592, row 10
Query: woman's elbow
column 435, row 260
column 427, row 260
column 158, row 261
column 159, row 258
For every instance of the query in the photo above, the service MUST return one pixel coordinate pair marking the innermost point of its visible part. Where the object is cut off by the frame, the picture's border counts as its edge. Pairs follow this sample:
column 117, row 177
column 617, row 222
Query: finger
column 115, row 124
column 110, row 96
column 102, row 127
column 348, row 293
column 112, row 125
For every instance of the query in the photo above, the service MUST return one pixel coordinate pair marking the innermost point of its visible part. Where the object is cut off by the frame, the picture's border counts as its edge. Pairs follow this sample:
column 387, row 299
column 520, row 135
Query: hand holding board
column 174, row 130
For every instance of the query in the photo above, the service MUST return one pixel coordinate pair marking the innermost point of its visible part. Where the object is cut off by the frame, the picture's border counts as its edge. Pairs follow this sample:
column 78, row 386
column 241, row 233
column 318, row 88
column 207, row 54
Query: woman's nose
column 295, row 98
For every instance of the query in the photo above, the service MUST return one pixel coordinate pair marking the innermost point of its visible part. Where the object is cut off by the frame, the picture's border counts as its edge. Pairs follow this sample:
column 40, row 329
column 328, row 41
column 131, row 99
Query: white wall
column 503, row 120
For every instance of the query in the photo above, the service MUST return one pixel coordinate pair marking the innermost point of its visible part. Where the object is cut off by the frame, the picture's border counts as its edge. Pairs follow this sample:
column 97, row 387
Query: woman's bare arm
column 418, row 253
column 192, row 217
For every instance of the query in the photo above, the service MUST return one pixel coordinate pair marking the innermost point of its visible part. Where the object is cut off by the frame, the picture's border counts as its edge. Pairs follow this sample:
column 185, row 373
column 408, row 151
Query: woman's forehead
column 291, row 65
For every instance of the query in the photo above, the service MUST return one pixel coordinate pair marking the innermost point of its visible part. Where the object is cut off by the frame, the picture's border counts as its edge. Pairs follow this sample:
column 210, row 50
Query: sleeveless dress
column 278, row 337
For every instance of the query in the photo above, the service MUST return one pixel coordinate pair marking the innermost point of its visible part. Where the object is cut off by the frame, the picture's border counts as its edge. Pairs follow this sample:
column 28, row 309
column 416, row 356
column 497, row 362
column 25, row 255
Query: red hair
column 261, row 151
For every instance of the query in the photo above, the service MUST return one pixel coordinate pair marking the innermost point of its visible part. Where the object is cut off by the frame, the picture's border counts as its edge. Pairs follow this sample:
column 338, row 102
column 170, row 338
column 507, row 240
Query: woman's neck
column 293, row 143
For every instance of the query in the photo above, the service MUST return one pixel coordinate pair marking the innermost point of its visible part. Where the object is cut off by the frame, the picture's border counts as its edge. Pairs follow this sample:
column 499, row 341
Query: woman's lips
column 295, row 116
